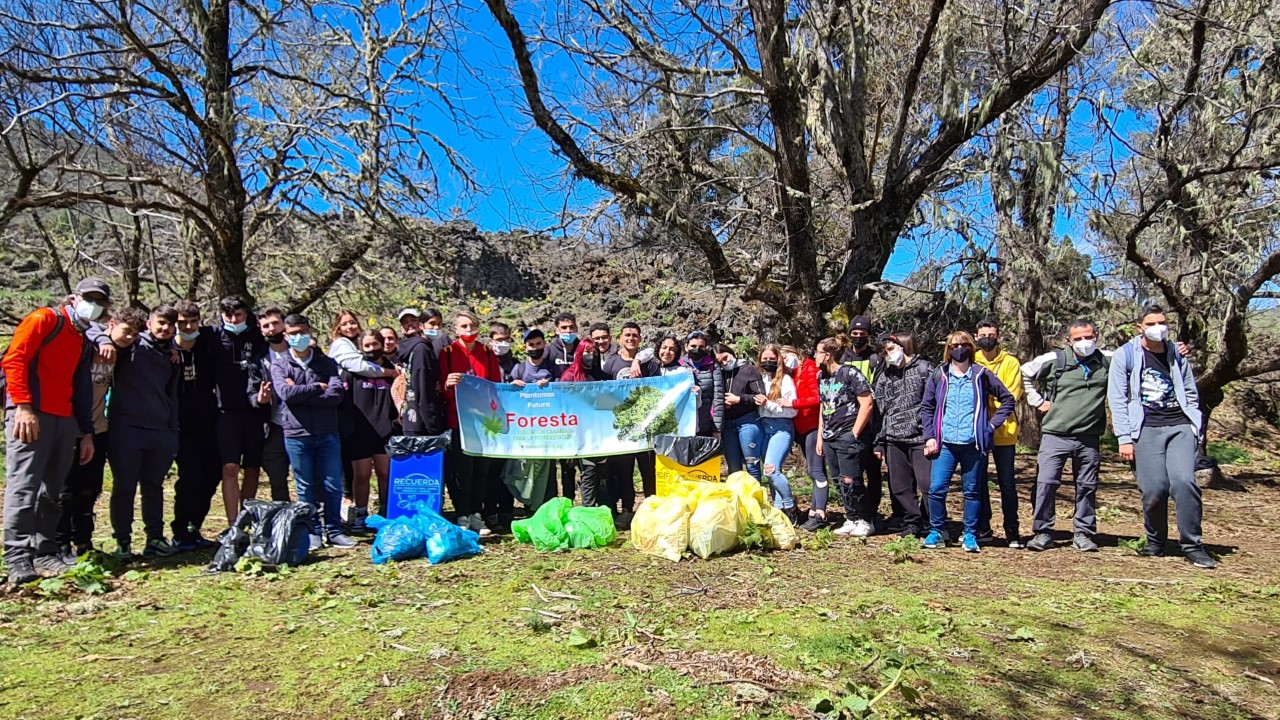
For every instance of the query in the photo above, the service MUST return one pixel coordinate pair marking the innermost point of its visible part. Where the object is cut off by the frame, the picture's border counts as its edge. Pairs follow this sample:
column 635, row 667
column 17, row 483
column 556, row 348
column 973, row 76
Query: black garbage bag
column 688, row 451
column 277, row 533
column 399, row 446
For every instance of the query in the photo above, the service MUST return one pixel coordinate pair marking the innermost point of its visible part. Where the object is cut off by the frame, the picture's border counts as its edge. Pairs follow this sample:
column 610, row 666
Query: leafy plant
column 821, row 540
column 903, row 549
column 1022, row 634
column 751, row 537
column 582, row 639
column 250, row 566
column 858, row 701
column 1133, row 544
column 1110, row 513
column 536, row 622
column 1226, row 453
column 90, row 574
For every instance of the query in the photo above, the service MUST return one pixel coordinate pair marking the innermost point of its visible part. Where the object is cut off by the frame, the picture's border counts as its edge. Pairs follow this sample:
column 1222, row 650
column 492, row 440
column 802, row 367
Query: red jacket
column 807, row 399
column 480, row 362
column 61, row 367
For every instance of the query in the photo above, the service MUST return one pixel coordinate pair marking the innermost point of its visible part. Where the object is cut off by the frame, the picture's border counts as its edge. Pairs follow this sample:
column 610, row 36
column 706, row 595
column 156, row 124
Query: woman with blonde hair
column 958, row 433
column 776, row 416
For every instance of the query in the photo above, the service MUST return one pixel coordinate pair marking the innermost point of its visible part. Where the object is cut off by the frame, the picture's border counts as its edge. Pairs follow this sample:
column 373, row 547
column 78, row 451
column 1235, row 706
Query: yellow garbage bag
column 661, row 527
column 750, row 495
column 779, row 533
column 714, row 525
column 684, row 458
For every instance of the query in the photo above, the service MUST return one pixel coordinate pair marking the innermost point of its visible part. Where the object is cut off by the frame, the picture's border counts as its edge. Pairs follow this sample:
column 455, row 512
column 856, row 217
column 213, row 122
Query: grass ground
column 615, row 634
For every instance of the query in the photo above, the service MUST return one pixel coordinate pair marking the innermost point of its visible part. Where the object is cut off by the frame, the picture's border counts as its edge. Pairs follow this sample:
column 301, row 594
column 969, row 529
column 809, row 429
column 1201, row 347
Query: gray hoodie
column 1124, row 389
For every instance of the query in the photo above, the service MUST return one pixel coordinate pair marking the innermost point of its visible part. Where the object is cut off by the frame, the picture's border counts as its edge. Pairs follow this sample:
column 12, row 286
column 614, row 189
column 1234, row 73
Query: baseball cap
column 94, row 285
column 407, row 312
column 861, row 322
column 534, row 333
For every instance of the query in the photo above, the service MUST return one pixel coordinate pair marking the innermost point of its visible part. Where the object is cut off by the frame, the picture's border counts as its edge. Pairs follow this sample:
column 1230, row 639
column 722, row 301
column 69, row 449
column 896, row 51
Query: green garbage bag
column 545, row 530
column 590, row 527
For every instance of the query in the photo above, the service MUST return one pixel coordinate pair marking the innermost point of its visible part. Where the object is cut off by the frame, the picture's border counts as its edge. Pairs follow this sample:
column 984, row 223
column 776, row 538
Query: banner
column 569, row 420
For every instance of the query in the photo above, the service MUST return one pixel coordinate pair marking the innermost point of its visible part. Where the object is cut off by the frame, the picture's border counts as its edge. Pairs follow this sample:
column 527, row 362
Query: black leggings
column 817, row 469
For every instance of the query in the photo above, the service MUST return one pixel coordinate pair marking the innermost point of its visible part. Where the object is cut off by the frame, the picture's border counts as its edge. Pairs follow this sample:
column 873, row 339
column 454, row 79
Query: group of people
column 86, row 384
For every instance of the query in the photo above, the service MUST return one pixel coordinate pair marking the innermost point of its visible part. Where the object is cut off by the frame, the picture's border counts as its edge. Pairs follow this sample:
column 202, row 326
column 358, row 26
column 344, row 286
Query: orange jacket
column 62, row 384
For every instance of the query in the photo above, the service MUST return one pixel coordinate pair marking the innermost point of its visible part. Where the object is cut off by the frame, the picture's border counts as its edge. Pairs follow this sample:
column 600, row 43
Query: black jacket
column 898, row 392
column 423, row 411
column 237, row 372
column 144, row 390
column 710, row 383
column 745, row 381
column 197, row 398
column 561, row 354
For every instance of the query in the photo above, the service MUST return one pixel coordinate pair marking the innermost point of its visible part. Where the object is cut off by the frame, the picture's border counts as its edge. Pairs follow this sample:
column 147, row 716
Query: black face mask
column 860, row 342
column 697, row 353
column 770, row 366
column 987, row 343
column 275, row 339
column 373, row 356
column 961, row 354
column 536, row 354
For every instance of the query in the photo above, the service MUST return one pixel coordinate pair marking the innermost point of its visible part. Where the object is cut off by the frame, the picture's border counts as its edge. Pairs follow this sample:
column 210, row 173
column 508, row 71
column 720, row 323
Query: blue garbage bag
column 398, row 539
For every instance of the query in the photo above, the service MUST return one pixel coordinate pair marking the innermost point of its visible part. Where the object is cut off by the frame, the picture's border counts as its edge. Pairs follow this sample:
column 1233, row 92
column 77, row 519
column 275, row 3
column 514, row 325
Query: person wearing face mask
column 48, row 400
column 622, row 467
column 959, row 430
column 1069, row 387
column 1155, row 413
column 84, row 483
column 310, row 389
column 199, row 463
column 433, row 330
column 475, row 488
column 899, row 390
column 145, row 416
column 241, row 423
column 500, row 344
column 1009, row 369
column 744, row 394
column 846, row 412
column 562, row 350
column 422, row 410
column 860, row 352
column 777, row 427
column 708, row 383
column 373, row 413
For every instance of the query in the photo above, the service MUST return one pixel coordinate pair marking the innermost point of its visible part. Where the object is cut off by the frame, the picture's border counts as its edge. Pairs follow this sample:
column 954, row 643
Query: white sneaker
column 846, row 528
column 861, row 528
column 478, row 526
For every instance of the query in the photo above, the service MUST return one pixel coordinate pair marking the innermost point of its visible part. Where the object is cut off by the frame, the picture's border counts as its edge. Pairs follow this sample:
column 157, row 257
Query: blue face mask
column 298, row 342
column 235, row 328
column 568, row 338
column 188, row 337
column 432, row 332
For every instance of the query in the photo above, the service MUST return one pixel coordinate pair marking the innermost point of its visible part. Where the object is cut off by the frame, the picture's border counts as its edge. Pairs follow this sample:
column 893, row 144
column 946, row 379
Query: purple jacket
column 985, row 383
column 305, row 409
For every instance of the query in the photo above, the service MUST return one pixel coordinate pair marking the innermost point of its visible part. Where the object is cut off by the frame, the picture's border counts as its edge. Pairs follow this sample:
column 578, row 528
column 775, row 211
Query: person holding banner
column 473, row 485
column 622, row 467
column 593, row 470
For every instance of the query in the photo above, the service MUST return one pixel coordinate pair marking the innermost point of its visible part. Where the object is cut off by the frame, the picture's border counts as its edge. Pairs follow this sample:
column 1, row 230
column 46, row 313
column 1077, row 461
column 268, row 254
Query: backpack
column 1059, row 367
column 57, row 329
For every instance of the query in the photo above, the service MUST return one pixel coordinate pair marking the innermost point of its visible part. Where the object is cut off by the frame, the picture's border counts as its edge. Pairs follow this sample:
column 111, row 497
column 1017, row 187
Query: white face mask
column 502, row 347
column 1084, row 348
column 792, row 362
column 728, row 362
column 87, row 311
column 896, row 358
column 1156, row 333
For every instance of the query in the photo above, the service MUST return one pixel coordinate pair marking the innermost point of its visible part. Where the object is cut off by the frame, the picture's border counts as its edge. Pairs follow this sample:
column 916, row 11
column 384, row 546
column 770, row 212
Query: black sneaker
column 21, row 572
column 1151, row 550
column 158, row 547
column 1200, row 559
column 1084, row 543
column 986, row 538
column 814, row 523
column 68, row 555
column 909, row 531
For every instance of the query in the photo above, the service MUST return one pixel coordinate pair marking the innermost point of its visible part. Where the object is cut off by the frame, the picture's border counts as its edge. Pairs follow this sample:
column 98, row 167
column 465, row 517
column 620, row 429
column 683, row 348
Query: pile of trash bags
column 277, row 533
column 707, row 518
column 423, row 534
column 558, row 525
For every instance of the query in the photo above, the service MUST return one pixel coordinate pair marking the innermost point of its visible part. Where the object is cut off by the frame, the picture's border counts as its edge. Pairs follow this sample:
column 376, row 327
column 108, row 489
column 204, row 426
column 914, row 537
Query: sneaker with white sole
column 846, row 529
column 341, row 542
column 970, row 543
column 935, row 539
column 476, row 525
column 861, row 528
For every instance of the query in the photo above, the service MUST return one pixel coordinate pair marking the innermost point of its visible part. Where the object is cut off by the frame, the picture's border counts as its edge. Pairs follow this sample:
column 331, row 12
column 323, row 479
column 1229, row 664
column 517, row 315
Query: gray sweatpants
column 1085, row 459
column 1165, row 465
column 34, row 475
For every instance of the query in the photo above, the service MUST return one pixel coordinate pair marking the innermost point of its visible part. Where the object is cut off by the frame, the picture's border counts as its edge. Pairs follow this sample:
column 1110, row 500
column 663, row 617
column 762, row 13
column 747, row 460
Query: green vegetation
column 632, row 416
column 1226, row 453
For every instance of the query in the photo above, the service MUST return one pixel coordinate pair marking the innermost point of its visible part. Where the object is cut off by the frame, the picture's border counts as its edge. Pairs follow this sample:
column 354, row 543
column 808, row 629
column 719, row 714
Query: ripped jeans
column 777, row 443
column 744, row 444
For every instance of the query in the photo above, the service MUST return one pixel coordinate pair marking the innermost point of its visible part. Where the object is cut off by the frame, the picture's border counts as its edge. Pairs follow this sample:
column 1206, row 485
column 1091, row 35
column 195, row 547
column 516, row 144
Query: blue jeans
column 317, row 472
column 969, row 460
column 777, row 443
column 743, row 442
